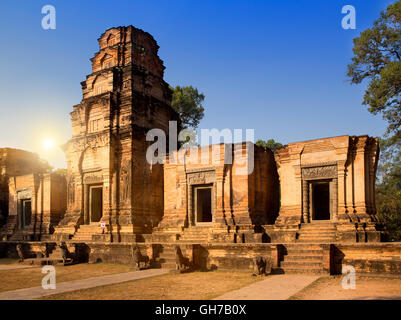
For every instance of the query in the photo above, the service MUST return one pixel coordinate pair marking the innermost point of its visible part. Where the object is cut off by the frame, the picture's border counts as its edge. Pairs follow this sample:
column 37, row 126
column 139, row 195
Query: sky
column 278, row 67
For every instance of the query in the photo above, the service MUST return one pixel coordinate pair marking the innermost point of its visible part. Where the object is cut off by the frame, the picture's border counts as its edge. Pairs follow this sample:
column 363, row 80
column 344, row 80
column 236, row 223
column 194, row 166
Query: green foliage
column 388, row 187
column 271, row 144
column 61, row 171
column 187, row 101
column 377, row 58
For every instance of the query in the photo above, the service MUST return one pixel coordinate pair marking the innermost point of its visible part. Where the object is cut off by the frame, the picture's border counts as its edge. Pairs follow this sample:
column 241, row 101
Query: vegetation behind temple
column 377, row 59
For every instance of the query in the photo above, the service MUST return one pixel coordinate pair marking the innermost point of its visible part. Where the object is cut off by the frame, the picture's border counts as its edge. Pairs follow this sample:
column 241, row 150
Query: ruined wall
column 380, row 258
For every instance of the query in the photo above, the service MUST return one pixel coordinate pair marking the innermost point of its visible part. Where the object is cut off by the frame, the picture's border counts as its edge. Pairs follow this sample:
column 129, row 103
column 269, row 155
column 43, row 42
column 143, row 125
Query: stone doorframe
column 313, row 173
column 92, row 179
column 197, row 178
column 23, row 195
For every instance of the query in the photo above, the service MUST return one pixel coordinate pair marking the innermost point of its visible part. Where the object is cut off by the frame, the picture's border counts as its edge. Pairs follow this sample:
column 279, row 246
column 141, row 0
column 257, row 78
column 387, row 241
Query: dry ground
column 32, row 277
column 367, row 287
column 8, row 261
column 187, row 286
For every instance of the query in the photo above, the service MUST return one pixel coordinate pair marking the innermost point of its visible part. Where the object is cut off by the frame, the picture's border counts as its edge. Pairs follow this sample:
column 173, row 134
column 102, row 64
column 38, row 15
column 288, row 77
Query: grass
column 32, row 277
column 172, row 286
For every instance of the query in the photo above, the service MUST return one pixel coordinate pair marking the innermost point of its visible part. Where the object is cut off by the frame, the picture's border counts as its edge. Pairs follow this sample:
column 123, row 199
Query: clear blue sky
column 278, row 67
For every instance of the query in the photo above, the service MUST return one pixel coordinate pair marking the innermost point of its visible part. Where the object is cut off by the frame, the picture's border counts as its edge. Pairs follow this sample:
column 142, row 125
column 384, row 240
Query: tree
column 377, row 59
column 271, row 144
column 187, row 101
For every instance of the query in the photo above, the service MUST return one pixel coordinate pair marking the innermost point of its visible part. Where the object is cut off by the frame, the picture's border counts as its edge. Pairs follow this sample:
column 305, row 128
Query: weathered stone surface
column 243, row 185
column 346, row 166
column 15, row 162
column 123, row 98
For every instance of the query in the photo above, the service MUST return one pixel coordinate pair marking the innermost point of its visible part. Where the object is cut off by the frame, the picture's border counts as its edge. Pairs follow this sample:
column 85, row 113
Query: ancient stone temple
column 109, row 178
column 220, row 193
column 309, row 206
column 14, row 162
column 330, row 184
column 33, row 198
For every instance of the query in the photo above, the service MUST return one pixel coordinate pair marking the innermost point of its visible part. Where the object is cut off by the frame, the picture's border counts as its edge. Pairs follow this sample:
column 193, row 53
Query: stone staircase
column 317, row 232
column 303, row 258
column 166, row 258
column 85, row 232
column 195, row 234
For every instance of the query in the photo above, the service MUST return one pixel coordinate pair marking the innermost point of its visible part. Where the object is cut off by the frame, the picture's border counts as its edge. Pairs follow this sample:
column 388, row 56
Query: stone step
column 167, row 256
column 303, row 263
column 321, row 227
column 302, row 246
column 170, row 266
column 306, row 270
column 316, row 239
column 318, row 232
column 294, row 258
column 304, row 252
column 82, row 238
column 193, row 238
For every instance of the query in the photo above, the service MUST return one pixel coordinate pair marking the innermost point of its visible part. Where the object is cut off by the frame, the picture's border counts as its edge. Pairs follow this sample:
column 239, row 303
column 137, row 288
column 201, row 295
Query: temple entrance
column 321, row 201
column 203, row 204
column 25, row 213
column 96, row 203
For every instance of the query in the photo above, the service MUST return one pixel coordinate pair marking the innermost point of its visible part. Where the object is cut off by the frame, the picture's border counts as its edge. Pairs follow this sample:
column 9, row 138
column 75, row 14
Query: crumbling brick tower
column 109, row 178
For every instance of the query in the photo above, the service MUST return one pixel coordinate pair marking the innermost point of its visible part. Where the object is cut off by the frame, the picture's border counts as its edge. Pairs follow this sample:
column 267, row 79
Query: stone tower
column 109, row 178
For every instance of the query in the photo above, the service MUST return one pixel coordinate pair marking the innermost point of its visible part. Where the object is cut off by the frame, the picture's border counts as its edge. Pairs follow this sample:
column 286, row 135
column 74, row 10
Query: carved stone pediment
column 24, row 193
column 202, row 177
column 93, row 178
column 320, row 172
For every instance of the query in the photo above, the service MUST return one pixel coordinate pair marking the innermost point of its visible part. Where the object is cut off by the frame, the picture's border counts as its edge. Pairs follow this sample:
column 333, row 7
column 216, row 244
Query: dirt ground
column 366, row 288
column 187, row 286
column 8, row 261
column 32, row 277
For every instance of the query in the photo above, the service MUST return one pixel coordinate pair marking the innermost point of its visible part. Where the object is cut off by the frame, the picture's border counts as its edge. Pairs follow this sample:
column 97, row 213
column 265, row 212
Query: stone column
column 341, row 191
column 360, row 179
column 305, row 201
column 191, row 205
column 219, row 203
column 86, row 204
column 334, row 199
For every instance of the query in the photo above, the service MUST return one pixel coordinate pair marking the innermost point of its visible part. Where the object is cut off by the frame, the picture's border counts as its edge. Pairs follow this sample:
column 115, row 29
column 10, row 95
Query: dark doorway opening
column 321, row 201
column 96, row 204
column 25, row 213
column 204, row 205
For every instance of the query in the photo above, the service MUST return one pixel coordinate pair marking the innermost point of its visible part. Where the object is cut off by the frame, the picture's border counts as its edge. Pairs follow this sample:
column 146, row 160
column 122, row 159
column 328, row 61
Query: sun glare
column 48, row 144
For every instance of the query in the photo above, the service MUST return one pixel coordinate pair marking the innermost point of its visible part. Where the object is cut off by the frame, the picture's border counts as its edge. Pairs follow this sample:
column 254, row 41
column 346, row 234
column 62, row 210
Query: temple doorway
column 96, row 203
column 25, row 213
column 321, row 200
column 203, row 201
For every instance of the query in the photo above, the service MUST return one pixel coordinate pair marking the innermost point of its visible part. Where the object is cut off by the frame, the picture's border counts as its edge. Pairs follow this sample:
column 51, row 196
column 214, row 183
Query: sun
column 47, row 143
